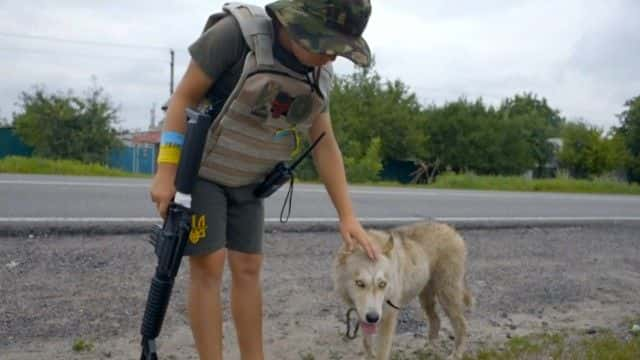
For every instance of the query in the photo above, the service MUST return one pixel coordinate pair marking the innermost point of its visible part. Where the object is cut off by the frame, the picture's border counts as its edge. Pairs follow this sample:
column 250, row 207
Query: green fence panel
column 10, row 144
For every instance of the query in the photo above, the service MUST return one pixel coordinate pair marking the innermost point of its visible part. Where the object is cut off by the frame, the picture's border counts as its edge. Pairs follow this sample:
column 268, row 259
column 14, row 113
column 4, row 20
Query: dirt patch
column 55, row 290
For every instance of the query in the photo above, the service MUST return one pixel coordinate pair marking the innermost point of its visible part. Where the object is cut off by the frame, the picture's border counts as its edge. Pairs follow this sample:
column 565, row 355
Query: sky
column 583, row 56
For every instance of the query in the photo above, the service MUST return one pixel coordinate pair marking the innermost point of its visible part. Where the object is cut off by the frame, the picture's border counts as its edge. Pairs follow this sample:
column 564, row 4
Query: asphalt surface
column 37, row 204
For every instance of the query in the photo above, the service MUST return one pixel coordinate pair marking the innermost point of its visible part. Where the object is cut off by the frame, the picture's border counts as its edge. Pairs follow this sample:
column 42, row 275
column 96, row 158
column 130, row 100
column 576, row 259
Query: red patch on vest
column 280, row 105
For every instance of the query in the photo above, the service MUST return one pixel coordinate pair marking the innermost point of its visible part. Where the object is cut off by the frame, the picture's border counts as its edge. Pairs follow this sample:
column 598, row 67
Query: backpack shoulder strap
column 257, row 29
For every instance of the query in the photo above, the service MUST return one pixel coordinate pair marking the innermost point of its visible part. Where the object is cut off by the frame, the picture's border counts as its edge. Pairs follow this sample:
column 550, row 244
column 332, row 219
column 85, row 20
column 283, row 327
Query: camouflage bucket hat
column 332, row 27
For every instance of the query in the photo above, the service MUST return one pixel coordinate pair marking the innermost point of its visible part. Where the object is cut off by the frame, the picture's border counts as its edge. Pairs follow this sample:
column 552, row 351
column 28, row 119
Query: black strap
column 392, row 305
column 353, row 335
column 297, row 161
column 289, row 199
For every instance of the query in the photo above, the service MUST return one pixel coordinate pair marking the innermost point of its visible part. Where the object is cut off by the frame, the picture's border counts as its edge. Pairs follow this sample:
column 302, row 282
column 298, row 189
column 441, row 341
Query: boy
column 273, row 75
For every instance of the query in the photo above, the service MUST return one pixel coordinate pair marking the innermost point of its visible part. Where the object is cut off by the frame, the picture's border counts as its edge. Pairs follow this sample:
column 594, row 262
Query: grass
column 34, row 165
column 306, row 356
column 81, row 345
column 518, row 183
column 603, row 346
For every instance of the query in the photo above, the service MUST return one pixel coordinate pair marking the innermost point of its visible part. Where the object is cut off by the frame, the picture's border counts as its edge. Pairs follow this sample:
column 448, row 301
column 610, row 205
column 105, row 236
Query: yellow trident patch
column 198, row 228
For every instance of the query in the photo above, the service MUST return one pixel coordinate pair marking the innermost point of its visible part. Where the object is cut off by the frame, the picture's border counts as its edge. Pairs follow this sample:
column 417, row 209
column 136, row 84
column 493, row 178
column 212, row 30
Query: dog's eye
column 382, row 284
column 360, row 283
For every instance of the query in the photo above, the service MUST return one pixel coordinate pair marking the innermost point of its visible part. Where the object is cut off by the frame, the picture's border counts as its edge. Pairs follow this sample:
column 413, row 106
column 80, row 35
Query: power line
column 83, row 42
column 65, row 53
column 97, row 43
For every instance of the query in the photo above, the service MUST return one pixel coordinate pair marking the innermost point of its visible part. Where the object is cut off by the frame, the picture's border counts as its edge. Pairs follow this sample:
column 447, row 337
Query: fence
column 140, row 158
column 137, row 158
column 10, row 144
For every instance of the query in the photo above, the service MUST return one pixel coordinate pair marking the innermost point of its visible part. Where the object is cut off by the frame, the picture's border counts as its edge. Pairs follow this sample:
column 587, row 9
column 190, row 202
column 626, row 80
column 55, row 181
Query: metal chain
column 355, row 331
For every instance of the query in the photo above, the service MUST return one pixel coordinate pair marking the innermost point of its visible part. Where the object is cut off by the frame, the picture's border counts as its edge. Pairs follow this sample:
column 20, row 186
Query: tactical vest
column 260, row 122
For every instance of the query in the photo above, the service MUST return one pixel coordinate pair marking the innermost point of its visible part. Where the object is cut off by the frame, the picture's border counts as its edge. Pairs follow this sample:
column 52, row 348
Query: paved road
column 29, row 198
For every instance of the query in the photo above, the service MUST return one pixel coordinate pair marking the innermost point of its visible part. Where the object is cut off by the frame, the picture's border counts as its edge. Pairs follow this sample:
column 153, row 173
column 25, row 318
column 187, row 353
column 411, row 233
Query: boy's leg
column 203, row 307
column 245, row 224
column 206, row 264
column 246, row 302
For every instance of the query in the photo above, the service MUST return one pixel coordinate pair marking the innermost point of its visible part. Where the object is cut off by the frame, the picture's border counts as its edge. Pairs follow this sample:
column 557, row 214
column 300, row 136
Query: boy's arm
column 189, row 93
column 329, row 163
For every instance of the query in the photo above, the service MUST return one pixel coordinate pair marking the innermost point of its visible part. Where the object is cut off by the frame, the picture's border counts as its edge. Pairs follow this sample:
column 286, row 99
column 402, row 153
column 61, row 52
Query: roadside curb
column 19, row 229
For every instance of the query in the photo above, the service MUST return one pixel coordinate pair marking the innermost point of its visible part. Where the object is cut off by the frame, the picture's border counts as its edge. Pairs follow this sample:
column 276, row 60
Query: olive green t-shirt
column 220, row 52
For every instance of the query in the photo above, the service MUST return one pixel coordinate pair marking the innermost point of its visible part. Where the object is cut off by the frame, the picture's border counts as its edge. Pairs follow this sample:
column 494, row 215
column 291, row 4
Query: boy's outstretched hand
column 353, row 233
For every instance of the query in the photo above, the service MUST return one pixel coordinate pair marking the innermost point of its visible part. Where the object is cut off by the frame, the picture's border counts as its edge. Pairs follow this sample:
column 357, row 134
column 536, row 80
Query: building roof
column 146, row 137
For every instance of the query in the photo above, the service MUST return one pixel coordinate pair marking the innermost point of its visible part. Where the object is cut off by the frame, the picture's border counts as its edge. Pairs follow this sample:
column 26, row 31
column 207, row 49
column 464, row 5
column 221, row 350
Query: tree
column 508, row 150
column 618, row 155
column 364, row 107
column 3, row 120
column 539, row 123
column 630, row 132
column 529, row 104
column 66, row 126
column 468, row 136
column 586, row 152
column 367, row 167
column 454, row 133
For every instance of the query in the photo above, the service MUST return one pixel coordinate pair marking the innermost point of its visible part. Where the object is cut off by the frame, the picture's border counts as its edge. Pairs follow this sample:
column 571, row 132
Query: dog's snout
column 372, row 317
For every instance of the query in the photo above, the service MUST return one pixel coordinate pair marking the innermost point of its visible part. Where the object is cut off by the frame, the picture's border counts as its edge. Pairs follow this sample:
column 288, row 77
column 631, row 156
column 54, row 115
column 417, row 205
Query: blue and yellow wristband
column 170, row 147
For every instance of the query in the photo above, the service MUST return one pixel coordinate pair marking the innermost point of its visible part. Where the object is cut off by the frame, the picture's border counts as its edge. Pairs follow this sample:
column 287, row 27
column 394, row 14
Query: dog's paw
column 370, row 356
column 456, row 355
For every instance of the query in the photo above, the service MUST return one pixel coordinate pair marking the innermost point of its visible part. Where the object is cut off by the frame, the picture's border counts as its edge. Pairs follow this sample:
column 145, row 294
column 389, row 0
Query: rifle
column 169, row 240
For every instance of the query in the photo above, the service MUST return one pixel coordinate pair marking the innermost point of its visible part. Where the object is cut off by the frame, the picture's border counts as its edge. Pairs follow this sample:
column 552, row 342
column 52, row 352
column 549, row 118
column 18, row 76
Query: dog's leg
column 451, row 297
column 386, row 334
column 428, row 303
column 367, row 342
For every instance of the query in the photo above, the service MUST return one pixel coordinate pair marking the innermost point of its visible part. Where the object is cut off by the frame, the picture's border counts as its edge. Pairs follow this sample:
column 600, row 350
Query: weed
column 81, row 345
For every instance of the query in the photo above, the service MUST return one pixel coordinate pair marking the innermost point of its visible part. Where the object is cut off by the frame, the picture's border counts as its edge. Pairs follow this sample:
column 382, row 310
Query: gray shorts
column 228, row 217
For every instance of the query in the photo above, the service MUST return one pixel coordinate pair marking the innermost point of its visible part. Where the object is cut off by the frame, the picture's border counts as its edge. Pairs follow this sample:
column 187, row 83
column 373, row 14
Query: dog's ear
column 388, row 246
column 342, row 256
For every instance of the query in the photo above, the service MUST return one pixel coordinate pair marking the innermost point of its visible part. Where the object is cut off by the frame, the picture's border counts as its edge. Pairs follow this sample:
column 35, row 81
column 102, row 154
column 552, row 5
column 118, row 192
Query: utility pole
column 172, row 62
column 152, row 126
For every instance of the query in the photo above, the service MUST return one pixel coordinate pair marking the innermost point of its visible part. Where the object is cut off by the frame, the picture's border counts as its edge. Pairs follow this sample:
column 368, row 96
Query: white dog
column 424, row 260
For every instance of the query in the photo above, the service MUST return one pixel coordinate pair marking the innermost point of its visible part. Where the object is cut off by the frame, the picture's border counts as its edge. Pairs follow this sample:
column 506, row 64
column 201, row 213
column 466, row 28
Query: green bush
column 368, row 167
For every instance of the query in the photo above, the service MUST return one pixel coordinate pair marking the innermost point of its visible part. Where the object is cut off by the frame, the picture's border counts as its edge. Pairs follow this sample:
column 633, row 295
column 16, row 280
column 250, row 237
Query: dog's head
column 365, row 284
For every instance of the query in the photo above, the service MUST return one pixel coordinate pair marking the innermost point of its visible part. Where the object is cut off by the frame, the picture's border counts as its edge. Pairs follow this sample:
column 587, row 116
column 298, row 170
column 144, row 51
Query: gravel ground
column 57, row 289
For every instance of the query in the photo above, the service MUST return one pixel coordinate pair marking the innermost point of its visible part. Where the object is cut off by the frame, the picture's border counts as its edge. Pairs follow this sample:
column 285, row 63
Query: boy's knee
column 207, row 270
column 246, row 267
column 249, row 270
